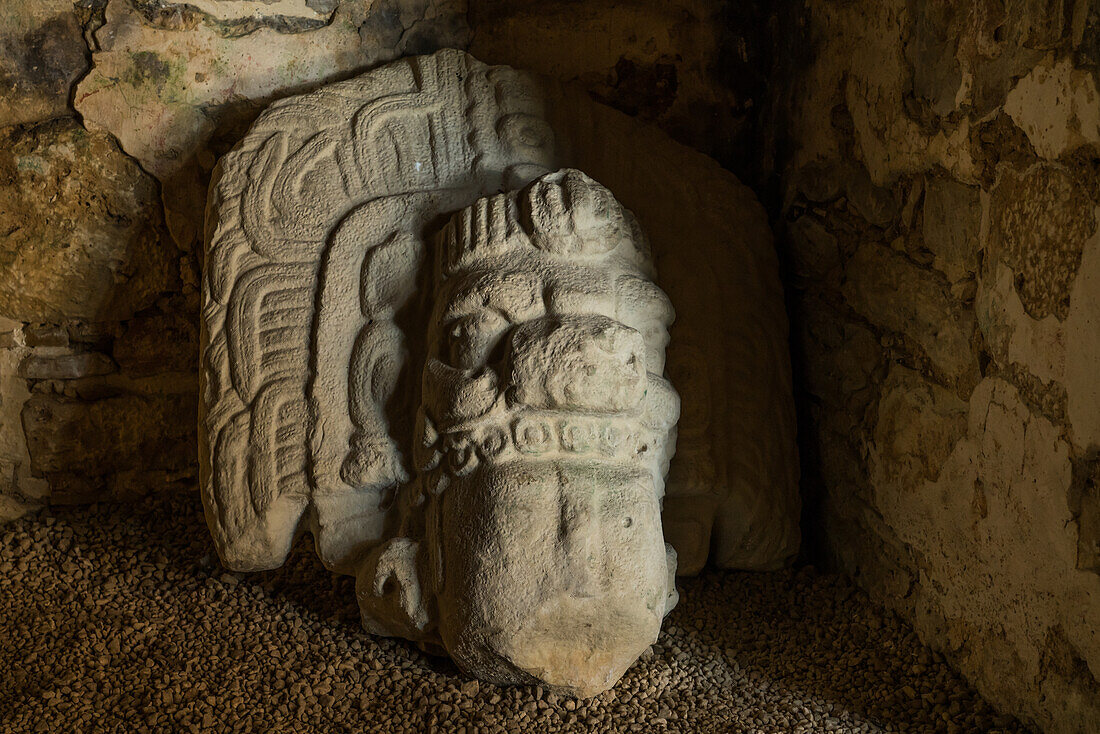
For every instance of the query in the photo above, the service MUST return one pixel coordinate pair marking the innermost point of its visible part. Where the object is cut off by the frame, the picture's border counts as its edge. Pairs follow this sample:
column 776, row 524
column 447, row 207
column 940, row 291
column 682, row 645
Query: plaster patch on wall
column 236, row 17
column 1002, row 554
column 1059, row 352
column 1058, row 106
column 1013, row 335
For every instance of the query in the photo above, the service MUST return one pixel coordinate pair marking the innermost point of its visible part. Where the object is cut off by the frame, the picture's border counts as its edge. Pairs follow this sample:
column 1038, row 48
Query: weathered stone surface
column 874, row 203
column 1082, row 339
column 91, row 334
column 1058, row 106
column 94, row 438
column 166, row 88
column 839, row 355
column 45, row 335
column 19, row 490
column 1065, row 352
column 1087, row 491
column 814, row 250
column 547, row 500
column 42, row 53
column 917, row 427
column 952, row 223
column 234, row 18
column 694, row 68
column 742, row 396
column 37, row 366
column 888, row 290
column 1011, row 334
column 859, row 83
column 889, row 142
column 734, row 507
column 554, row 394
column 157, row 343
column 931, row 52
column 570, row 430
column 92, row 249
column 976, row 533
column 999, row 545
column 1039, row 222
column 161, row 93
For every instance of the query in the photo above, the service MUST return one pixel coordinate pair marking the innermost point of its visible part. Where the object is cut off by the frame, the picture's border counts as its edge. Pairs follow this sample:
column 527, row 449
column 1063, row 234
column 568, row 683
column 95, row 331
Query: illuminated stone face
column 553, row 571
column 535, row 544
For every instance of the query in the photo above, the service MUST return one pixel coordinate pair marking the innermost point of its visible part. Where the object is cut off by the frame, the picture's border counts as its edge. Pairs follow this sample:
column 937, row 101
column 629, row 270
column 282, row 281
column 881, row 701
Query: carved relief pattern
column 308, row 162
column 316, row 267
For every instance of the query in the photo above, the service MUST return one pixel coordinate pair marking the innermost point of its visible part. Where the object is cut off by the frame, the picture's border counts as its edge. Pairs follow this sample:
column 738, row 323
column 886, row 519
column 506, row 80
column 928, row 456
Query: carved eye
column 577, row 437
column 472, row 338
column 628, row 521
column 493, row 443
column 527, row 135
column 461, row 456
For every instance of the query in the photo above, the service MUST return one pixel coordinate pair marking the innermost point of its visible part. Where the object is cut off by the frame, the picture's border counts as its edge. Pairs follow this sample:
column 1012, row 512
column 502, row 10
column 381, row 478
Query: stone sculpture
column 529, row 545
column 436, row 347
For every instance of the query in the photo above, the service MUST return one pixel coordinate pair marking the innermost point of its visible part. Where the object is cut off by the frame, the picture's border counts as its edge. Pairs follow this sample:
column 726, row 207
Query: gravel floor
column 120, row 619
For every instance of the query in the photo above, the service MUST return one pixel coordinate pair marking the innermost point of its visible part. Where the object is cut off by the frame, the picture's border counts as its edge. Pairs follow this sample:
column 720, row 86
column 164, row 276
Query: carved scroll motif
column 286, row 254
column 318, row 254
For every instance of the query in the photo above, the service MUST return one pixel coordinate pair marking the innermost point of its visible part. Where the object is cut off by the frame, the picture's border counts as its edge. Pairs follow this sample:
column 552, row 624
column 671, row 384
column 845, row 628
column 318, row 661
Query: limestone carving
column 529, row 544
column 440, row 350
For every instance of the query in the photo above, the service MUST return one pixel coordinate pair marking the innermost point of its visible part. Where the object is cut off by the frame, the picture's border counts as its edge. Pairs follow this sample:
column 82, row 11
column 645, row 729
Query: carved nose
column 578, row 536
column 590, row 363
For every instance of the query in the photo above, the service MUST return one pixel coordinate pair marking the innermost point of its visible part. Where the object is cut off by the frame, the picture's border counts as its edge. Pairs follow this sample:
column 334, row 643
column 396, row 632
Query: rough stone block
column 94, row 438
column 45, row 335
column 162, row 342
column 65, row 366
column 917, row 427
column 889, row 290
column 952, row 222
column 92, row 249
column 840, row 356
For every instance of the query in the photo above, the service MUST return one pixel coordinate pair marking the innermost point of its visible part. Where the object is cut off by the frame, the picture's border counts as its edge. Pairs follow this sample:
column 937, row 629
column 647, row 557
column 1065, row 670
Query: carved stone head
column 531, row 546
column 445, row 360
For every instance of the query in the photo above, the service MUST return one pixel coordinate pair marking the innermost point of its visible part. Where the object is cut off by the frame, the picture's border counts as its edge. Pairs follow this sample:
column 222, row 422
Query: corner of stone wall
column 940, row 226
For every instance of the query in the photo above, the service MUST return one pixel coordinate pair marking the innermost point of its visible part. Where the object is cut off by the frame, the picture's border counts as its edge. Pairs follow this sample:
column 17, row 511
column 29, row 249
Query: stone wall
column 112, row 115
column 941, row 192
column 939, row 182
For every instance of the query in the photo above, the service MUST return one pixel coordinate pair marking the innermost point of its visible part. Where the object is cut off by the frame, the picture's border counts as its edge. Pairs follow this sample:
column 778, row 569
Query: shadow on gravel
column 302, row 581
column 749, row 647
